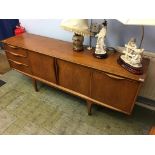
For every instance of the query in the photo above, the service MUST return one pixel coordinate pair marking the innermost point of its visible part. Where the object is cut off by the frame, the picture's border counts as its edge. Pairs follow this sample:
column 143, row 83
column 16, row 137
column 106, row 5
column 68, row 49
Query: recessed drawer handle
column 115, row 77
column 17, row 54
column 12, row 46
column 18, row 63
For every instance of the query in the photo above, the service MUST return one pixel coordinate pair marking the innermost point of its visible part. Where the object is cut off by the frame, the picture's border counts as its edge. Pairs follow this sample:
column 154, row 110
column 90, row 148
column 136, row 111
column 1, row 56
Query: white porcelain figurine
column 100, row 45
column 132, row 55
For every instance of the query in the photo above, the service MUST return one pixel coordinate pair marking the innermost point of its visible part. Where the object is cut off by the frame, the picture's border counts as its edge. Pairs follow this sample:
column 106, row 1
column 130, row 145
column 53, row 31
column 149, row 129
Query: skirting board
column 145, row 102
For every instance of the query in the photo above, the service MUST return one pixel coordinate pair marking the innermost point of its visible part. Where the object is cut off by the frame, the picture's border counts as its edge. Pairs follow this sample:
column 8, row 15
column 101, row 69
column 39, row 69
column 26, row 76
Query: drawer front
column 17, row 57
column 20, row 66
column 16, row 50
column 115, row 91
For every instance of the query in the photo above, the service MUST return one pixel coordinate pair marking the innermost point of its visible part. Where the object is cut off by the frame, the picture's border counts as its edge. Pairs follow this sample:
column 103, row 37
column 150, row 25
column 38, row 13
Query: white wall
column 49, row 28
column 117, row 33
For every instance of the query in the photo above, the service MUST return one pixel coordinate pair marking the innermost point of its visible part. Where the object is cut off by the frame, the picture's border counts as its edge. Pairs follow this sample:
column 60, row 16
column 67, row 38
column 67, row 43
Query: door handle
column 114, row 76
column 18, row 63
column 56, row 67
column 18, row 55
column 12, row 46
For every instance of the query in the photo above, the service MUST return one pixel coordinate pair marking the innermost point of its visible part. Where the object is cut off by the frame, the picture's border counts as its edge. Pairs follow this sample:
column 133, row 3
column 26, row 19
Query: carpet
column 53, row 112
column 4, row 65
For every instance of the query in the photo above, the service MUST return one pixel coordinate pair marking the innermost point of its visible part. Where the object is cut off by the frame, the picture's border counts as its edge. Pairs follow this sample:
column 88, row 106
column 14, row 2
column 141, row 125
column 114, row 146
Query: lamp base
column 134, row 70
column 100, row 56
column 78, row 42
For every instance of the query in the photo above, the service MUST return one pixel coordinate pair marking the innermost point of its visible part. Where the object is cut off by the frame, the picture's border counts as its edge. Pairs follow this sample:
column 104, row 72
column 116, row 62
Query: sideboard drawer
column 17, row 57
column 15, row 50
column 115, row 91
column 20, row 66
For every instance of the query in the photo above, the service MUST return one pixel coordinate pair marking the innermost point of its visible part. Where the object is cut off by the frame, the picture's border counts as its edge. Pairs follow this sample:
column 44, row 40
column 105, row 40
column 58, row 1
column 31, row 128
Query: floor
column 51, row 111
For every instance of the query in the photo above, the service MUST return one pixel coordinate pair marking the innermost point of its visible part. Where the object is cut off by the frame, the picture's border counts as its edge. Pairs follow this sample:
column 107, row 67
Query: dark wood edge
column 56, row 71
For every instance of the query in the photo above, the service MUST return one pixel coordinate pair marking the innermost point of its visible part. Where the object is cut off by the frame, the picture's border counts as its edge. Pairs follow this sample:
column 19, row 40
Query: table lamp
column 80, row 28
column 131, row 59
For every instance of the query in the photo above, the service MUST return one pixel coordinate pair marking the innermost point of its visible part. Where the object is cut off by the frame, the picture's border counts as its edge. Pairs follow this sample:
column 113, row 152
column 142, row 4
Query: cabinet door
column 115, row 91
column 74, row 77
column 42, row 66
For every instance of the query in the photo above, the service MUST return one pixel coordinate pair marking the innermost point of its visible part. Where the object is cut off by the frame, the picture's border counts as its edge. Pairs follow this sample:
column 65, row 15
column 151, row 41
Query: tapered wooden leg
column 35, row 85
column 89, row 106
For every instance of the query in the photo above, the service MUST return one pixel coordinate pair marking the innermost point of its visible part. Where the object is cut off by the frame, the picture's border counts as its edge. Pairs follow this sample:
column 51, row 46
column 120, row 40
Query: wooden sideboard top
column 63, row 50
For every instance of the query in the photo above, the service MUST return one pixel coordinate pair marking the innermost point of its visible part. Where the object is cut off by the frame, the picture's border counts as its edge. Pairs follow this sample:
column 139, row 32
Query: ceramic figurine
column 100, row 51
column 132, row 57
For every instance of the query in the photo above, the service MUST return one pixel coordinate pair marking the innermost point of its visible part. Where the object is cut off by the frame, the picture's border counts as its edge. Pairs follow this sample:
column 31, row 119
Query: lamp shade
column 78, row 26
column 138, row 21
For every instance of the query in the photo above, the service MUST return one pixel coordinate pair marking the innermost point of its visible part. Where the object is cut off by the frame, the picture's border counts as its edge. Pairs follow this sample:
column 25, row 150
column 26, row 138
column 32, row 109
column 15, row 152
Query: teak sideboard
column 99, row 81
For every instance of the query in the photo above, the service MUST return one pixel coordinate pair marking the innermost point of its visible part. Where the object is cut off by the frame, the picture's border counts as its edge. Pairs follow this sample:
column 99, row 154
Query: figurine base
column 100, row 56
column 130, row 68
